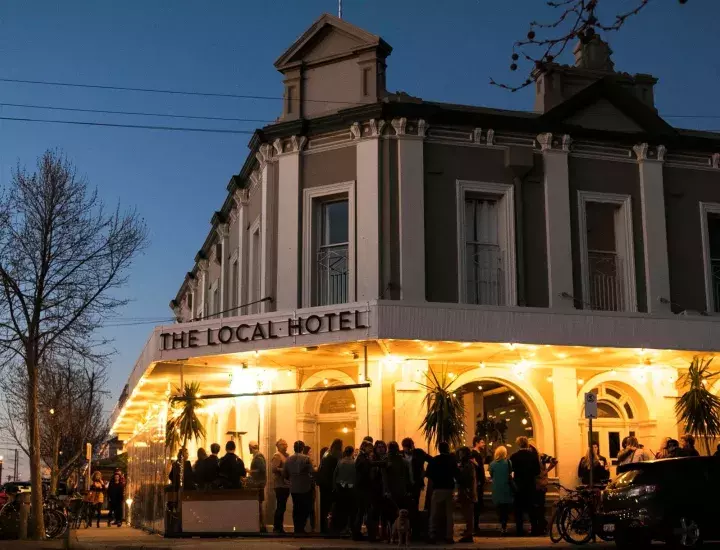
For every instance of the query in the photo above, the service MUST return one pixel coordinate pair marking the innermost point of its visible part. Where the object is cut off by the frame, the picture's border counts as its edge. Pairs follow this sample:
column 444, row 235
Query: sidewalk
column 126, row 538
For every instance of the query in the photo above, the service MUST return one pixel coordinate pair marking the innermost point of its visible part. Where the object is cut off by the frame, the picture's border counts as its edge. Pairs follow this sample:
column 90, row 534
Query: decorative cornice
column 422, row 127
column 715, row 160
column 264, row 154
column 278, row 145
column 490, row 137
column 546, row 141
column 203, row 265
column 355, row 130
column 399, row 124
column 566, row 143
column 376, row 127
column 223, row 230
column 477, row 135
column 240, row 196
column 644, row 152
column 233, row 215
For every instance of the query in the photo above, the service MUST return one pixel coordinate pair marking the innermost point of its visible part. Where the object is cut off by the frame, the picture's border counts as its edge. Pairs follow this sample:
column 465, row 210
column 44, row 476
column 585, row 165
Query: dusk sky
column 443, row 51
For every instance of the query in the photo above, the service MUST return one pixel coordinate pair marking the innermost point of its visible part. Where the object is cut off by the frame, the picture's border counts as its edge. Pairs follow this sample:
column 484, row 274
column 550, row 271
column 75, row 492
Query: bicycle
column 574, row 517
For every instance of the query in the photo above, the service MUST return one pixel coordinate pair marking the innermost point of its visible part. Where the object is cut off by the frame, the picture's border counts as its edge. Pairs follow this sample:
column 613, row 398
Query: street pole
column 592, row 454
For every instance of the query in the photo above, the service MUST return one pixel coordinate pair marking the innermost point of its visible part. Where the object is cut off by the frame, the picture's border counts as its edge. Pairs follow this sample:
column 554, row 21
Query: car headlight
column 641, row 490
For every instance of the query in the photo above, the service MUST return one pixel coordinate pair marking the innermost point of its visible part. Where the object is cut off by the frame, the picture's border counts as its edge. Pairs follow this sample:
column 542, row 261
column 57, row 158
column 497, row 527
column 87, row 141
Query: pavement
column 127, row 538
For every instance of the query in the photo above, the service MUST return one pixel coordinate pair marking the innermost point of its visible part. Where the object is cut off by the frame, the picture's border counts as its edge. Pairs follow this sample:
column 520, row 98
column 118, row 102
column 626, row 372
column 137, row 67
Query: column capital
column 355, row 130
column 203, row 265
column 376, row 126
column 297, row 143
column 241, row 198
column 422, row 127
column 192, row 284
column 644, row 151
column 548, row 142
column 715, row 160
column 400, row 125
column 264, row 154
column 223, row 230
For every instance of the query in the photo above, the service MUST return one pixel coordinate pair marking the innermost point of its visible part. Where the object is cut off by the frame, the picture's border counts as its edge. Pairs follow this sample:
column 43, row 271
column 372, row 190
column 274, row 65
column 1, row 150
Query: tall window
column 486, row 243
column 255, row 268
column 606, row 252
column 216, row 300
column 483, row 255
column 331, row 265
column 234, row 288
column 710, row 223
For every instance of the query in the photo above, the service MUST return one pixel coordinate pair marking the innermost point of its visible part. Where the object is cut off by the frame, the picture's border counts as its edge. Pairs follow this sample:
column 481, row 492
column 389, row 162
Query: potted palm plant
column 445, row 416
column 698, row 409
column 183, row 425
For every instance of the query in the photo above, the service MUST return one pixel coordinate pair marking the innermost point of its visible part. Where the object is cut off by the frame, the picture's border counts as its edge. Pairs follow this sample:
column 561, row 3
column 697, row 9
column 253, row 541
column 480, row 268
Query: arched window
column 607, row 410
column 338, row 401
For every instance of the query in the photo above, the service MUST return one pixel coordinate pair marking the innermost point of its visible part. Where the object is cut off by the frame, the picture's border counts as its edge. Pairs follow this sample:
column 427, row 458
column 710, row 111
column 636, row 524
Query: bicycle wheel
column 576, row 523
column 556, row 534
column 55, row 523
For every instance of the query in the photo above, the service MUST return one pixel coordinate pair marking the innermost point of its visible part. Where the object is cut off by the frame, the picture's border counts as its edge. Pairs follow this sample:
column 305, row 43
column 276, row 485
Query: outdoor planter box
column 218, row 512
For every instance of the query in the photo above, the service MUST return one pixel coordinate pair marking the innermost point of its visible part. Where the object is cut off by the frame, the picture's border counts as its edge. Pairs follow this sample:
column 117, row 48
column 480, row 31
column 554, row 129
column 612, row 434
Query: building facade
column 370, row 237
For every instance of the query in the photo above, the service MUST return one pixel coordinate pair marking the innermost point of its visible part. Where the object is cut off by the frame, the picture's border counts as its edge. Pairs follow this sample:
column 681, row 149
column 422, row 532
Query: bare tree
column 63, row 257
column 575, row 20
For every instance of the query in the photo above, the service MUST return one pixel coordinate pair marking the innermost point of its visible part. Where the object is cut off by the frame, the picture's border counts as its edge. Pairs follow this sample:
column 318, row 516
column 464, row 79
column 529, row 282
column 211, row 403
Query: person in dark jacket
column 212, row 466
column 600, row 466
column 687, row 446
column 116, row 499
column 231, row 468
column 526, row 468
column 363, row 469
column 343, row 512
column 467, row 492
column 199, row 469
column 397, row 482
column 379, row 503
column 478, row 456
column 442, row 472
column 188, row 481
column 325, row 481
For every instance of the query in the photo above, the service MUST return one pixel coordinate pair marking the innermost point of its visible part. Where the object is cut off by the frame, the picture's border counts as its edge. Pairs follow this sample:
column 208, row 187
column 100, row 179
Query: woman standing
column 502, row 487
column 116, row 499
column 596, row 462
column 467, row 492
column 96, row 496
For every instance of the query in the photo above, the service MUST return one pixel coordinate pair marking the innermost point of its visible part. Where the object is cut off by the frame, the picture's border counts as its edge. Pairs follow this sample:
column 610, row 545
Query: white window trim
column 506, row 195
column 254, row 228
column 311, row 195
column 234, row 284
column 705, row 209
column 626, row 242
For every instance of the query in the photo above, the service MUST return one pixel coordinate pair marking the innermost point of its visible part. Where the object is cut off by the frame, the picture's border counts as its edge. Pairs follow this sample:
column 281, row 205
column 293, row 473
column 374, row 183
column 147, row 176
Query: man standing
column 258, row 476
column 211, row 467
column 231, row 467
column 478, row 458
column 687, row 446
column 282, row 488
column 526, row 467
column 298, row 470
column 326, row 481
column 442, row 472
column 363, row 470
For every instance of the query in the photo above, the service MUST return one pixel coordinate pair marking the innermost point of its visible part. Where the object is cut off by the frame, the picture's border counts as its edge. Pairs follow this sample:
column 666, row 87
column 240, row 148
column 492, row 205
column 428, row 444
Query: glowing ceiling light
column 326, row 381
column 429, row 347
column 352, row 405
column 466, row 344
column 482, row 364
column 511, row 398
column 452, row 375
column 289, row 373
column 561, row 355
column 613, row 372
column 524, row 421
column 596, row 350
column 480, row 388
column 580, row 381
column 345, row 430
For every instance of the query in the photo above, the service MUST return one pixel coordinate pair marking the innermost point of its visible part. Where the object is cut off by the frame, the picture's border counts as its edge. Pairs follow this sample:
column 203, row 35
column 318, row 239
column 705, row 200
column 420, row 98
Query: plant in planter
column 698, row 409
column 445, row 416
column 183, row 425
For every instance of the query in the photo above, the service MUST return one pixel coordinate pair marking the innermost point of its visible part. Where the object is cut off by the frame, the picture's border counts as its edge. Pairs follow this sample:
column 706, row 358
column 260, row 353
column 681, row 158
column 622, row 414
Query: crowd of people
column 363, row 490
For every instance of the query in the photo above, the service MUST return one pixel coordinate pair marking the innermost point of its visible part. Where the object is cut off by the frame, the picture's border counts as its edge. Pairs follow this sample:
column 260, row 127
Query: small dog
column 401, row 529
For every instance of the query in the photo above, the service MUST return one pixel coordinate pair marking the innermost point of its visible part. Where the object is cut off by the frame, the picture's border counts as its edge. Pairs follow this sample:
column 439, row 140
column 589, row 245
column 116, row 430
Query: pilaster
column 555, row 152
column 568, row 444
column 411, row 210
column 241, row 204
column 652, row 197
column 268, row 166
column 204, row 267
column 223, row 232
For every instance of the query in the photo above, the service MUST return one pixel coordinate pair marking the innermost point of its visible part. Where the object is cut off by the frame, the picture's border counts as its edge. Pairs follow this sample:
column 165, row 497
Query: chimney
column 593, row 61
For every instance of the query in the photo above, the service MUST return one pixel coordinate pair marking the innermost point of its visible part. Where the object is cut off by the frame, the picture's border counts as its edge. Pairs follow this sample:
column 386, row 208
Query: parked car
column 674, row 500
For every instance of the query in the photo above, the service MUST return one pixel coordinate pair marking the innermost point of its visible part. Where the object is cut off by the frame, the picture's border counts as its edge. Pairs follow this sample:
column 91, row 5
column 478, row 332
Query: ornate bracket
column 355, row 130
column 422, row 127
column 376, row 127
column 223, row 230
column 715, row 160
column 644, row 152
column 399, row 124
column 298, row 143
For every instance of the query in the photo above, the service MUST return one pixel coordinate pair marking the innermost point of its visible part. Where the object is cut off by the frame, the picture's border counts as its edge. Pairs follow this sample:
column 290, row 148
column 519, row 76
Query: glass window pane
column 614, row 442
column 335, row 222
column 606, row 410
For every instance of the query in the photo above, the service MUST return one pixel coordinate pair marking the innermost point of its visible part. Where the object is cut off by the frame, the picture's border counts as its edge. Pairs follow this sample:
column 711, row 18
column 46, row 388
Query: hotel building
column 532, row 256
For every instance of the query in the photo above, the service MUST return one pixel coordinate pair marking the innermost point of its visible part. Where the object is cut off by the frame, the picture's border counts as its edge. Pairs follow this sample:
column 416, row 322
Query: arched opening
column 618, row 417
column 497, row 413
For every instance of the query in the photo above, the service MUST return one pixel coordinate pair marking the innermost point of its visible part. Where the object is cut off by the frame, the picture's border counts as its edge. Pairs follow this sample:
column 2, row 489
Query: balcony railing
column 485, row 275
column 715, row 272
column 332, row 275
column 607, row 287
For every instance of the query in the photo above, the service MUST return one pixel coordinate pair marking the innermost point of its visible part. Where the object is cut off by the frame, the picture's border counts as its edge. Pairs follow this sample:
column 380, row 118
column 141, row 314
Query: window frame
column 213, row 293
column 707, row 208
column 624, row 240
column 312, row 198
column 505, row 196
column 234, row 276
column 254, row 271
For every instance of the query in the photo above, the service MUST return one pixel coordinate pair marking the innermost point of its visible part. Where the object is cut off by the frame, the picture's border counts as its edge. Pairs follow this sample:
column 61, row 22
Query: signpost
column 591, row 411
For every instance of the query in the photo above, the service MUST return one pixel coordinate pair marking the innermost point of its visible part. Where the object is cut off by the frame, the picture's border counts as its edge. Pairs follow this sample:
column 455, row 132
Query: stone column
column 203, row 268
column 557, row 219
column 267, row 225
column 223, row 232
column 568, row 444
column 289, row 230
column 241, row 203
column 411, row 203
column 367, row 206
column 652, row 197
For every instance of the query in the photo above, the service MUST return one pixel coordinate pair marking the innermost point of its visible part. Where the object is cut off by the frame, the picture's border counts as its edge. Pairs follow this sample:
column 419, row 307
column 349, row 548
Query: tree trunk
column 181, row 477
column 36, row 516
column 55, row 467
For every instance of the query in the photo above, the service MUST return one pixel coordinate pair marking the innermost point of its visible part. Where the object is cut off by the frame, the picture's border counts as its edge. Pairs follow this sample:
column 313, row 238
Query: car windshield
column 628, row 478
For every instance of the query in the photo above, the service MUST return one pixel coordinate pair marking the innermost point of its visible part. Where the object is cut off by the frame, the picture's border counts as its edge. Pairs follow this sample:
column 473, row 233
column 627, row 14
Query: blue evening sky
column 443, row 51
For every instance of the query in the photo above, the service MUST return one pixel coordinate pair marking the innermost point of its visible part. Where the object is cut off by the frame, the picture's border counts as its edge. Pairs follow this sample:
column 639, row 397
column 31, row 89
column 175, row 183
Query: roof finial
column 340, row 9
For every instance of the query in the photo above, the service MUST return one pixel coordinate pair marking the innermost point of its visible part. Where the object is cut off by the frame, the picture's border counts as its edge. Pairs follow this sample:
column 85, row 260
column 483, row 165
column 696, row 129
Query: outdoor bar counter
column 217, row 512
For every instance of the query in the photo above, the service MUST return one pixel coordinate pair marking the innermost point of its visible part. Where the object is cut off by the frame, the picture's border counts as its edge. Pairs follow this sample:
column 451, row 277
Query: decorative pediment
column 328, row 38
column 606, row 106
